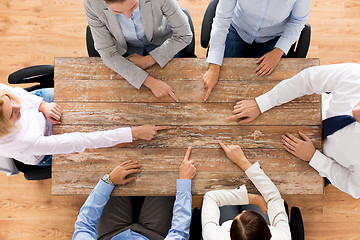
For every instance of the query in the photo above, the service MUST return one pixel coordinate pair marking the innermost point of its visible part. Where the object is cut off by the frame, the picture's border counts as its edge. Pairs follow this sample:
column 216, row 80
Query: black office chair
column 297, row 50
column 44, row 75
column 187, row 52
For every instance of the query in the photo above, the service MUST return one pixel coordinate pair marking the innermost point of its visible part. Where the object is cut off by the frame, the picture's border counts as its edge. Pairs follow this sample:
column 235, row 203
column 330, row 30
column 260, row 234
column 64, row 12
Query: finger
column 132, row 171
column 287, row 139
column 260, row 59
column 129, row 179
column 207, row 95
column 223, row 146
column 124, row 163
column 262, row 64
column 57, row 107
column 238, row 110
column 54, row 116
column 288, row 145
column 292, row 137
column 236, row 116
column 57, row 112
column 191, row 161
column 187, row 154
column 266, row 71
column 270, row 71
column 133, row 165
column 290, row 151
column 259, row 73
column 157, row 128
column 304, row 136
column 173, row 96
column 239, row 103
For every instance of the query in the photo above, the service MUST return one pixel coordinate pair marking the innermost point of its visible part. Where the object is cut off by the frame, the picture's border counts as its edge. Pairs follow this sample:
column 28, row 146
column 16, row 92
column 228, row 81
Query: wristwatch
column 106, row 178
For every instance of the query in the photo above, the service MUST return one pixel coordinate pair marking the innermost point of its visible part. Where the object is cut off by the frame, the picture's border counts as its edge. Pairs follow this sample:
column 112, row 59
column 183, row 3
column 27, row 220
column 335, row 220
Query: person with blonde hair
column 26, row 128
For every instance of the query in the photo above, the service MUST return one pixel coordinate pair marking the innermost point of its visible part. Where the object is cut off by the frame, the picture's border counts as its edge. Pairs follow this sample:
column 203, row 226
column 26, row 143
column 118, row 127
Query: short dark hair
column 250, row 226
column 114, row 1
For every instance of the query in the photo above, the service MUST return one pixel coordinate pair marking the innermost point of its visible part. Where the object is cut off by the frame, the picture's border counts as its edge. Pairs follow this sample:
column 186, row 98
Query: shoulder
column 95, row 5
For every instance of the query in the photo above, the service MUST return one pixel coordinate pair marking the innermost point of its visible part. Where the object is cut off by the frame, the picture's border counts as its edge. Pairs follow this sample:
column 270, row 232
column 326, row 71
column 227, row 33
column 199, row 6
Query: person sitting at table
column 249, row 224
column 132, row 35
column 261, row 29
column 26, row 129
column 104, row 217
column 341, row 125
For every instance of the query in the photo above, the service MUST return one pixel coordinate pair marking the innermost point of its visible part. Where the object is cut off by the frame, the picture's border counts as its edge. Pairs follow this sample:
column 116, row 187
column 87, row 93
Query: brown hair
column 114, row 1
column 249, row 226
column 6, row 126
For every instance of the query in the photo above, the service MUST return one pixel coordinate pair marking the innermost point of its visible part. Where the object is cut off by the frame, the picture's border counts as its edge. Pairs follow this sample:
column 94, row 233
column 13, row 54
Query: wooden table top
column 94, row 98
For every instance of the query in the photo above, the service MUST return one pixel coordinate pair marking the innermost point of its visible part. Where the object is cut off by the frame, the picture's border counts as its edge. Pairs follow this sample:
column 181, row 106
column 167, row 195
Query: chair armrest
column 207, row 23
column 43, row 74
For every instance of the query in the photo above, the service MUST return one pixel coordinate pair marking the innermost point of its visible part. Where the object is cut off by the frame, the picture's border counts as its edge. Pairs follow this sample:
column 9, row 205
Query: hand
column 268, row 62
column 146, row 132
column 247, row 110
column 259, row 201
column 356, row 112
column 141, row 61
column 51, row 110
column 119, row 175
column 210, row 79
column 159, row 88
column 304, row 150
column 187, row 170
column 235, row 154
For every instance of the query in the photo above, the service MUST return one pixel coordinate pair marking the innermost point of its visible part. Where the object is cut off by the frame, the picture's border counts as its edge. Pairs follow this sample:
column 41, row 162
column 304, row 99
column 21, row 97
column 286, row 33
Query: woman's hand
column 259, row 201
column 235, row 154
column 52, row 111
column 210, row 79
column 141, row 61
column 159, row 88
column 146, row 132
column 268, row 62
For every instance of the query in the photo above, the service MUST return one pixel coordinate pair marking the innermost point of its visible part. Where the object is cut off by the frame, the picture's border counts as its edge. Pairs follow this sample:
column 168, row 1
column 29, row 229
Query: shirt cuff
column 183, row 185
column 104, row 188
column 318, row 161
column 128, row 134
column 264, row 102
column 215, row 58
column 284, row 44
column 253, row 169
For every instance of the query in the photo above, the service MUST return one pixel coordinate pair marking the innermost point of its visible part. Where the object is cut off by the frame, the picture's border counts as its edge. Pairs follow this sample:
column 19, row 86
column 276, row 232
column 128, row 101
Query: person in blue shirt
column 157, row 218
column 263, row 29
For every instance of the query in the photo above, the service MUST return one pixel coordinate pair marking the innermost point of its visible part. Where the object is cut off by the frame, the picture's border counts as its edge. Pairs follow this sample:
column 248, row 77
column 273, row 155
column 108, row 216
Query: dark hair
column 114, row 1
column 249, row 226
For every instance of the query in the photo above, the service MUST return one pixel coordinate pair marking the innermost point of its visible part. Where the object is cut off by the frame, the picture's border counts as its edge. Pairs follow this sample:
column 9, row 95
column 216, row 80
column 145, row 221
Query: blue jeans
column 48, row 96
column 236, row 47
column 231, row 211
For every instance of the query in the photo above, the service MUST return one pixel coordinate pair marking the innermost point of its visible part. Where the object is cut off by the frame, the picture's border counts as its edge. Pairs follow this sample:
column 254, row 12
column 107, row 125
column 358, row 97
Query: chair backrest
column 297, row 50
column 187, row 52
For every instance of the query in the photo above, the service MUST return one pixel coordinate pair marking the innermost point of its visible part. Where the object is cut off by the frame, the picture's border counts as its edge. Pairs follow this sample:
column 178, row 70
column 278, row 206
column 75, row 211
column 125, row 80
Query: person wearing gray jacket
column 132, row 35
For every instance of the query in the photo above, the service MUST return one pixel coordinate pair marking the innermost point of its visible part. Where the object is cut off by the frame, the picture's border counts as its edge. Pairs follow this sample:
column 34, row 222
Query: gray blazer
column 165, row 25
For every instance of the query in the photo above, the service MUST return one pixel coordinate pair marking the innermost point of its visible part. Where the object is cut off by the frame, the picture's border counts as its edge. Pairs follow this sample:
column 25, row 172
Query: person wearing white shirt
column 248, row 224
column 261, row 29
column 340, row 160
column 26, row 129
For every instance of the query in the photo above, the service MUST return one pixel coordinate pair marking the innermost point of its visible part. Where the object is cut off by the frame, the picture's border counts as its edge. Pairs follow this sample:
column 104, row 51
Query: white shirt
column 210, row 213
column 29, row 143
column 259, row 21
column 340, row 162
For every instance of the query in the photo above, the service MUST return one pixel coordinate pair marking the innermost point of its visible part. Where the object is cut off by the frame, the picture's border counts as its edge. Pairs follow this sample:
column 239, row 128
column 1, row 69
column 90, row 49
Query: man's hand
column 356, row 112
column 141, row 61
column 187, row 169
column 268, row 62
column 303, row 149
column 246, row 110
column 119, row 175
column 259, row 201
column 210, row 79
column 147, row 132
column 235, row 154
column 51, row 110
column 159, row 88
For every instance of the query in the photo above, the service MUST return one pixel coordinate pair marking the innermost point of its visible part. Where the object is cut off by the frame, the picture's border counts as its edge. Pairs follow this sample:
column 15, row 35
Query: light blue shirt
column 259, row 21
column 134, row 32
column 87, row 220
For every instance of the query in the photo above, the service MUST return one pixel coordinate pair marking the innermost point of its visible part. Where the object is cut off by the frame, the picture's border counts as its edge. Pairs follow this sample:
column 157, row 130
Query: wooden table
column 93, row 98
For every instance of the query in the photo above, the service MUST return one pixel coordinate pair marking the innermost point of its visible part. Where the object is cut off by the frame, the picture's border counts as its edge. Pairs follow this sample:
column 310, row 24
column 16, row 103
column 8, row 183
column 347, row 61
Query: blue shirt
column 259, row 21
column 134, row 32
column 87, row 220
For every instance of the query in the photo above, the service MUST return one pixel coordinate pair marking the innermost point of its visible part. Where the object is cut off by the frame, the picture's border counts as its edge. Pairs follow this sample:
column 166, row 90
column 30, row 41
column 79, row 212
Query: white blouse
column 210, row 213
column 32, row 138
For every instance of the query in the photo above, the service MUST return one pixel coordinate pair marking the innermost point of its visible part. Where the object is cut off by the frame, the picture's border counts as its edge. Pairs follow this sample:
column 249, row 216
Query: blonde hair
column 6, row 126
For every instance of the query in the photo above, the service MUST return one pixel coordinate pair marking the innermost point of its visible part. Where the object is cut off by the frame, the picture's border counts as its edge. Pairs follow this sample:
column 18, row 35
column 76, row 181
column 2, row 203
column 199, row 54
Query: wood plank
column 160, row 159
column 156, row 183
column 181, row 69
column 207, row 136
column 66, row 90
column 184, row 114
